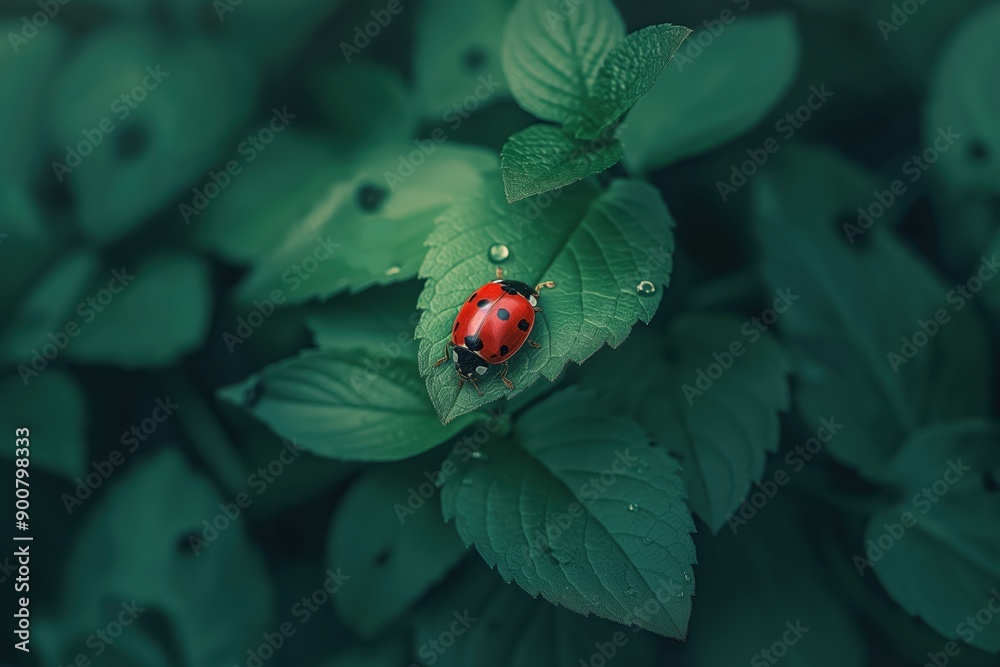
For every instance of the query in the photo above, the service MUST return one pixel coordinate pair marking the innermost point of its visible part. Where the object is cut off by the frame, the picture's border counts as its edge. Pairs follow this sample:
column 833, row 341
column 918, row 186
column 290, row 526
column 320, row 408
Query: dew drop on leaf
column 632, row 507
column 645, row 288
column 392, row 270
column 499, row 252
column 629, row 591
column 480, row 456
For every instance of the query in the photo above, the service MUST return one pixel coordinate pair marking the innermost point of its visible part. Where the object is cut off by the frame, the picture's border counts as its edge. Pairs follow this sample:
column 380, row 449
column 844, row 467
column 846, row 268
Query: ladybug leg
column 503, row 376
column 537, row 309
column 534, row 344
column 476, row 385
column 499, row 273
column 447, row 349
column 540, row 286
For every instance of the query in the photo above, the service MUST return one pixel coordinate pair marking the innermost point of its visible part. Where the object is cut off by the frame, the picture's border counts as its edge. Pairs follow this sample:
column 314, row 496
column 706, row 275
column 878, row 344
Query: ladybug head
column 468, row 364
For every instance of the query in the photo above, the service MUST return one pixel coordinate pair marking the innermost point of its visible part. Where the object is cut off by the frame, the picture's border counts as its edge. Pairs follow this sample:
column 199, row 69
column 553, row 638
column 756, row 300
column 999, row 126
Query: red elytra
column 491, row 327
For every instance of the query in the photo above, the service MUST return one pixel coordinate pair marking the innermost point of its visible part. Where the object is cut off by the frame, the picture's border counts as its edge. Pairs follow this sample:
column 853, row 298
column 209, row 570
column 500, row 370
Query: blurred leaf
column 42, row 316
column 130, row 124
column 375, row 222
column 721, row 434
column 942, row 566
column 386, row 653
column 507, row 628
column 964, row 96
column 457, row 43
column 629, row 72
column 135, row 546
column 857, row 303
column 25, row 73
column 345, row 406
column 701, row 102
column 597, row 247
column 395, row 554
column 782, row 588
column 542, row 511
column 162, row 314
column 382, row 319
column 249, row 218
column 25, row 244
column 377, row 105
column 553, row 51
column 543, row 158
column 62, row 448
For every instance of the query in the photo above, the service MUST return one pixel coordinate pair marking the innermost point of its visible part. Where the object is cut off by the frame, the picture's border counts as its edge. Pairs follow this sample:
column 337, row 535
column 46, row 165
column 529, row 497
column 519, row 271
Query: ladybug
column 491, row 327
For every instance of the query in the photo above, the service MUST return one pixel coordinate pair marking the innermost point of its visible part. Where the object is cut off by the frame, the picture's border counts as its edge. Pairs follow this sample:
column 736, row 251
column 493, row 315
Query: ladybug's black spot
column 503, row 314
column 482, row 303
column 456, row 326
column 370, row 197
column 504, row 350
column 523, row 325
column 473, row 343
column 472, row 297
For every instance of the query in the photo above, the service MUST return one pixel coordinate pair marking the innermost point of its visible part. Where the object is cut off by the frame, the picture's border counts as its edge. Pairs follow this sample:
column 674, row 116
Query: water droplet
column 645, row 288
column 392, row 270
column 681, row 594
column 632, row 507
column 629, row 591
column 687, row 578
column 499, row 252
column 640, row 468
column 647, row 541
column 480, row 456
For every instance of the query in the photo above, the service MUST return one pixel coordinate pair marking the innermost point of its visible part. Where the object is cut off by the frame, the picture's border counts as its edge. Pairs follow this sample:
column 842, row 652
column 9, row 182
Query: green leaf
column 382, row 320
column 627, row 74
column 943, row 567
column 394, row 554
column 457, row 43
column 580, row 510
column 25, row 243
column 65, row 450
column 850, row 316
column 247, row 220
column 161, row 315
column 48, row 308
column 769, row 572
column 710, row 95
column 369, row 228
column 135, row 546
column 25, row 76
column 513, row 630
column 964, row 97
column 378, row 108
column 543, row 158
column 597, row 247
column 345, row 406
column 553, row 51
column 169, row 140
column 721, row 434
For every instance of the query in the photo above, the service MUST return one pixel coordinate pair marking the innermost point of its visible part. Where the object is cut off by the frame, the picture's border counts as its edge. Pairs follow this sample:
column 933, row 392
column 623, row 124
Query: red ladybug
column 492, row 325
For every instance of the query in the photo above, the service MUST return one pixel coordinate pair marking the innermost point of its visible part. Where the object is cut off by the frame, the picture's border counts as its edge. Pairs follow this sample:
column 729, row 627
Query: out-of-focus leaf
column 382, row 319
column 941, row 560
column 161, row 314
column 25, row 244
column 610, row 255
column 543, row 158
column 708, row 95
column 365, row 102
column 578, row 508
column 394, row 553
column 720, row 427
column 346, row 406
column 62, row 449
column 856, row 305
